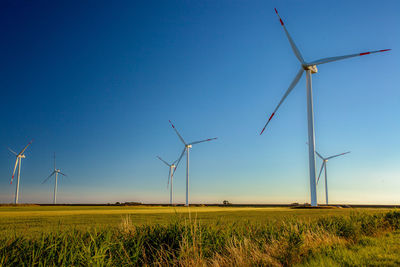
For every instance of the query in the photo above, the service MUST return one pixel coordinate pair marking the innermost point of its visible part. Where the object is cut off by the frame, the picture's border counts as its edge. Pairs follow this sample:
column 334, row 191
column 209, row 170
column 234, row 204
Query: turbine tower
column 186, row 149
column 323, row 166
column 310, row 68
column 19, row 156
column 55, row 172
column 170, row 177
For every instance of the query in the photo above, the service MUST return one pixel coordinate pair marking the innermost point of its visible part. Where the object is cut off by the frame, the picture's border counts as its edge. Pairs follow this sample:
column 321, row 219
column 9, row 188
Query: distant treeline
column 294, row 205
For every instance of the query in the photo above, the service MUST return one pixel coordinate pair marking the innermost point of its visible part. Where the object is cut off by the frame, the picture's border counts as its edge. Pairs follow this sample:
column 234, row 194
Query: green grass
column 383, row 250
column 199, row 236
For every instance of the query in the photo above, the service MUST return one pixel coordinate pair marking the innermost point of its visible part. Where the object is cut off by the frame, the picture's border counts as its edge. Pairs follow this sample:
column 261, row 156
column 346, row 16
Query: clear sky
column 97, row 81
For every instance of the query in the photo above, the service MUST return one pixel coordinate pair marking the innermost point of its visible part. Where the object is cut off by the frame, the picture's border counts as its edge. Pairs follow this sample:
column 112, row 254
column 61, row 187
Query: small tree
column 226, row 202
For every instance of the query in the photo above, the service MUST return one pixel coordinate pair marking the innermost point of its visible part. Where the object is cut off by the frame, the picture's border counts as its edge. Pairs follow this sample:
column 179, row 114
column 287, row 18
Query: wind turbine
column 310, row 68
column 323, row 166
column 19, row 156
column 170, row 176
column 55, row 172
column 186, row 149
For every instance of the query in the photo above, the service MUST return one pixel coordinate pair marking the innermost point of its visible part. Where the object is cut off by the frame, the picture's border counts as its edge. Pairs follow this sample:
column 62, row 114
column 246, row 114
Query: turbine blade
column 179, row 160
column 15, row 167
column 322, row 167
column 166, row 163
column 292, row 44
column 25, row 147
column 180, row 137
column 331, row 59
column 169, row 174
column 291, row 86
column 331, row 157
column 197, row 142
column 319, row 155
column 12, row 151
column 45, row 180
column 63, row 174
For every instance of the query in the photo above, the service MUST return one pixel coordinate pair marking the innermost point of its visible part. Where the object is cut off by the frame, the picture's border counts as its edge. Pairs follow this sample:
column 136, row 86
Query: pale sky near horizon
column 96, row 82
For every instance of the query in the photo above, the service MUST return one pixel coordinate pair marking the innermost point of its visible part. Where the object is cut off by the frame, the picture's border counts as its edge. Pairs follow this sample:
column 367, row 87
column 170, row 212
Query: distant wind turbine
column 170, row 177
column 19, row 156
column 186, row 149
column 323, row 166
column 310, row 68
column 55, row 172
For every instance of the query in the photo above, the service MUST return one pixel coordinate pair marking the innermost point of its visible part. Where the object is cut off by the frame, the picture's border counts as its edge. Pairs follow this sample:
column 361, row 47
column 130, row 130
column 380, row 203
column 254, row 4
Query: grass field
column 32, row 220
column 219, row 236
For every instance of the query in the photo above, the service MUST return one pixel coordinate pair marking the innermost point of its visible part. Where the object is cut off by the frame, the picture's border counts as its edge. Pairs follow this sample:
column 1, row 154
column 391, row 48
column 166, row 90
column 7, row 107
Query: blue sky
column 97, row 81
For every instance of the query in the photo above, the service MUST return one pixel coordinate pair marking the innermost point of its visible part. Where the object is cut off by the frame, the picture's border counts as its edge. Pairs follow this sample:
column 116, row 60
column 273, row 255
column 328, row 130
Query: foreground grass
column 327, row 240
column 382, row 250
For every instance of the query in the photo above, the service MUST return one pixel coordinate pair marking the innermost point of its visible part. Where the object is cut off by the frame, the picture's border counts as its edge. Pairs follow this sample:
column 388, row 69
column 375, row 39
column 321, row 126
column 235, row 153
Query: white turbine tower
column 310, row 68
column 170, row 177
column 323, row 166
column 186, row 149
column 19, row 156
column 55, row 172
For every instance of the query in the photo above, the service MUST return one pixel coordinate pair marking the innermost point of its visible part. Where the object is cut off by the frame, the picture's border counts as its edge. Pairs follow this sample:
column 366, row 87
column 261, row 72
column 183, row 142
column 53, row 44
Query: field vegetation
column 205, row 236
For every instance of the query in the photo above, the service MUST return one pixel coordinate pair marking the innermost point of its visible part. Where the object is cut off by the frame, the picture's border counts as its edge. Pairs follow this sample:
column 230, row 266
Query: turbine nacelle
column 312, row 68
column 188, row 146
column 21, row 156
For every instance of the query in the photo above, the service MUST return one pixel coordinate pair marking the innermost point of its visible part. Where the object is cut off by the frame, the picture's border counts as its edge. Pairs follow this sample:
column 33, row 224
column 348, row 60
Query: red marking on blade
column 171, row 124
column 281, row 21
column 276, row 11
column 366, row 53
column 267, row 122
column 271, row 116
column 384, row 50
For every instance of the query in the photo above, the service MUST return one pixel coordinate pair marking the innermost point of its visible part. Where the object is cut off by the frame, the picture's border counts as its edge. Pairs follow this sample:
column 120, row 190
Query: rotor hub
column 312, row 68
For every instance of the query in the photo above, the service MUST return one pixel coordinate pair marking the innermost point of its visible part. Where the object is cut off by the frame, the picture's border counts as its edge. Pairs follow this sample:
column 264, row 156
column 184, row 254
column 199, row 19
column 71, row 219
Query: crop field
column 31, row 220
column 198, row 236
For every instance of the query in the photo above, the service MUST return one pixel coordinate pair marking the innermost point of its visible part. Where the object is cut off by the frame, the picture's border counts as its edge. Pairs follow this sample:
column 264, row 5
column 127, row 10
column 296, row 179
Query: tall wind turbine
column 170, row 176
column 55, row 172
column 310, row 68
column 323, row 166
column 19, row 156
column 186, row 149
